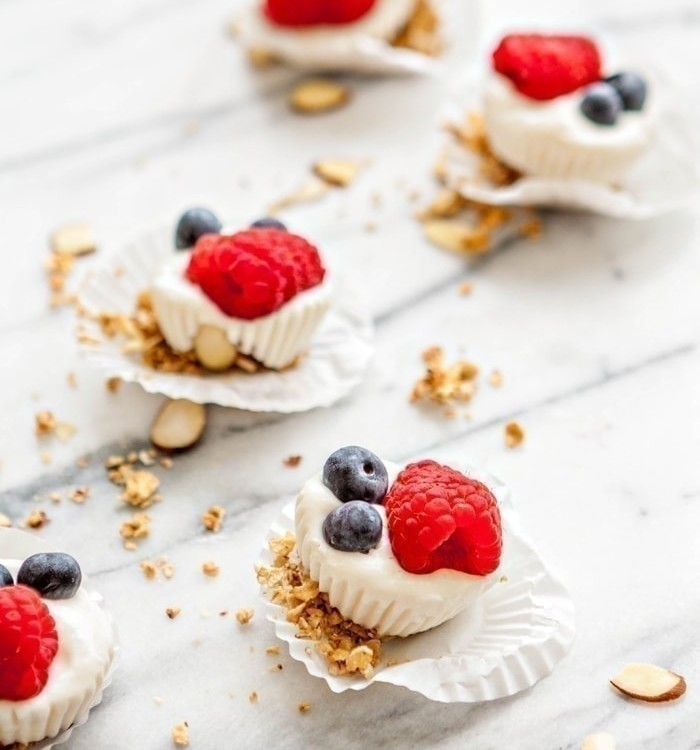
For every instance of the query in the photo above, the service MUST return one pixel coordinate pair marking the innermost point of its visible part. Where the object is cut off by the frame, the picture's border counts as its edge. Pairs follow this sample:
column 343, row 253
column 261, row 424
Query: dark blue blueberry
column 353, row 527
column 54, row 575
column 269, row 223
column 193, row 224
column 601, row 104
column 354, row 473
column 5, row 577
column 632, row 89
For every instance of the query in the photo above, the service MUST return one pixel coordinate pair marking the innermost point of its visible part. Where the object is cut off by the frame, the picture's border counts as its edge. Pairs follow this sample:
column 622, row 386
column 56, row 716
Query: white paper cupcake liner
column 511, row 638
column 337, row 359
column 15, row 544
column 665, row 179
column 364, row 53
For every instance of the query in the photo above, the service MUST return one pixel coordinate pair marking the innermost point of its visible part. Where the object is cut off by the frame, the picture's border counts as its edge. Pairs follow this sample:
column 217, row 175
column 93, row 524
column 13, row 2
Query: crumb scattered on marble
column 253, row 697
column 5, row 521
column 244, row 615
column 466, row 288
column 210, row 569
column 172, row 612
column 72, row 380
column 181, row 735
column 304, row 708
column 292, row 461
column 136, row 528
column 80, row 495
column 140, row 487
column 272, row 650
column 445, row 384
column 496, row 378
column 275, row 668
column 44, row 423
column 161, row 565
column 213, row 518
column 35, row 520
column 317, row 96
column 514, row 434
column 45, row 458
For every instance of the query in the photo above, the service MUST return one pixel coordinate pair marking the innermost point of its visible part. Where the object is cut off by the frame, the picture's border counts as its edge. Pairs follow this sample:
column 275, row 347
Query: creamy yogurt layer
column 76, row 675
column 328, row 45
column 554, row 139
column 373, row 589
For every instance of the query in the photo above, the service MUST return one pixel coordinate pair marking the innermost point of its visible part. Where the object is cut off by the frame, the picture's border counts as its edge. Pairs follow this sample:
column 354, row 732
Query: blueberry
column 54, row 575
column 353, row 527
column 601, row 104
column 193, row 224
column 268, row 223
column 354, row 473
column 632, row 89
column 5, row 577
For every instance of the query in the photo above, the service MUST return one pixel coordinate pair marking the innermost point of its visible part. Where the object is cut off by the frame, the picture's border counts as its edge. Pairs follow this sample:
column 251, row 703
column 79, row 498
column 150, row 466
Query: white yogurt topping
column 85, row 651
column 384, row 21
column 561, row 119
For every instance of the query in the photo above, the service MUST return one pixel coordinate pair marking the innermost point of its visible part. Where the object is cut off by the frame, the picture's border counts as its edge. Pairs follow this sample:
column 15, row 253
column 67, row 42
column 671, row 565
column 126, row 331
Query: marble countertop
column 122, row 114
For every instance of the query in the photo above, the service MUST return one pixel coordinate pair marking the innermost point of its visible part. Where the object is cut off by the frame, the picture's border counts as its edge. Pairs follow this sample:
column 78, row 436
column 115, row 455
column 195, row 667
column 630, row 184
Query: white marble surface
column 122, row 113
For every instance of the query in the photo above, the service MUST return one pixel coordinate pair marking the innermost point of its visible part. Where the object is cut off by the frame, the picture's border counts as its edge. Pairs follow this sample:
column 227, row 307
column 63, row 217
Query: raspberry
column 316, row 12
column 253, row 273
column 543, row 67
column 438, row 518
column 28, row 643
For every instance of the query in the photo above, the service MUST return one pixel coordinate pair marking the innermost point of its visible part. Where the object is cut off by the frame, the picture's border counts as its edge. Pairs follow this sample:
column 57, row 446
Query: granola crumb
column 347, row 647
column 445, row 384
column 275, row 668
column 514, row 434
column 181, row 735
column 532, row 228
column 496, row 378
column 304, row 708
column 35, row 520
column 72, row 380
column 213, row 518
column 292, row 461
column 166, row 463
column 210, row 569
column 272, row 650
column 44, row 423
column 139, row 487
column 113, row 384
column 422, row 31
column 80, row 495
column 244, row 615
column 466, row 288
column 136, row 528
column 45, row 458
column 253, row 697
column 161, row 565
column 172, row 612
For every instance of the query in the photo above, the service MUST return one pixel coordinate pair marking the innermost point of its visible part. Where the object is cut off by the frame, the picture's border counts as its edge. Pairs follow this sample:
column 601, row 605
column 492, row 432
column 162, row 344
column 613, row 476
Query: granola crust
column 349, row 649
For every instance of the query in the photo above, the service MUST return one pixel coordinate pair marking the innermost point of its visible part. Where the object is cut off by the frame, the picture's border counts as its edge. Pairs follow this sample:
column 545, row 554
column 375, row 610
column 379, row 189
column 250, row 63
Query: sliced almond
column 447, row 234
column 339, row 172
column 73, row 239
column 647, row 682
column 213, row 349
column 317, row 95
column 599, row 741
column 178, row 425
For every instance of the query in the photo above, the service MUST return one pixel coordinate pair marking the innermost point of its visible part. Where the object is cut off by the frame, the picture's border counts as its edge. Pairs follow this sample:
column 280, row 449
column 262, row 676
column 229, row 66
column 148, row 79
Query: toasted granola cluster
column 348, row 648
column 443, row 383
column 142, row 336
column 421, row 32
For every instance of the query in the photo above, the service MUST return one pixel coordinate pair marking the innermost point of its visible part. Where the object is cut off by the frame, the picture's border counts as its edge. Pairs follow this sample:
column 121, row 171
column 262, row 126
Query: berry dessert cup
column 551, row 111
column 57, row 646
column 344, row 34
column 260, row 293
column 396, row 550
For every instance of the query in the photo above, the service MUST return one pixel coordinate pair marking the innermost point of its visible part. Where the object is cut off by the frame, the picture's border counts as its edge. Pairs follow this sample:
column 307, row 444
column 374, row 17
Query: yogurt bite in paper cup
column 415, row 575
column 54, row 619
